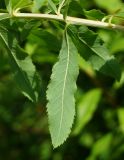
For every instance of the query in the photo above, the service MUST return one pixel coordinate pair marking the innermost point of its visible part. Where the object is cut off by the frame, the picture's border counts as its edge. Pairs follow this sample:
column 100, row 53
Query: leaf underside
column 60, row 94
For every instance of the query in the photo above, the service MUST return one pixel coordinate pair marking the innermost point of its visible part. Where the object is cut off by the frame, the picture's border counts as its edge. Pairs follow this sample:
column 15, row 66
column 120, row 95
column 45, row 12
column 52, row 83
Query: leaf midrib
column 64, row 84
column 92, row 49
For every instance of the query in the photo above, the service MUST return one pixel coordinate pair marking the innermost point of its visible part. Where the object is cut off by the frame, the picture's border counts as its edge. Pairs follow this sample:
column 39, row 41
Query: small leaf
column 94, row 14
column 86, row 108
column 24, row 71
column 60, row 94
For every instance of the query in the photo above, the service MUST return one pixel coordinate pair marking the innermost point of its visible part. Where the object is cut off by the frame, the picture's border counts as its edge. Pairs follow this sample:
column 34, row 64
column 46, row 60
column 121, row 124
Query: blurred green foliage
column 24, row 130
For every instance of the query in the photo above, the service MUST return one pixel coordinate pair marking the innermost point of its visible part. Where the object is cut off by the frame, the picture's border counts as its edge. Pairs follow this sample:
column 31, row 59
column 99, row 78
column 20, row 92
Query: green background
column 98, row 130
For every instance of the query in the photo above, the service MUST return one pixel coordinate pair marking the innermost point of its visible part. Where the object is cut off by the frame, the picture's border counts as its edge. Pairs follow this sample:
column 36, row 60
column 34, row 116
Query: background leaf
column 94, row 14
column 86, row 108
column 52, row 6
column 4, row 16
column 109, row 5
column 100, row 148
column 14, row 4
column 22, row 67
column 119, row 13
column 121, row 118
column 37, row 4
column 60, row 94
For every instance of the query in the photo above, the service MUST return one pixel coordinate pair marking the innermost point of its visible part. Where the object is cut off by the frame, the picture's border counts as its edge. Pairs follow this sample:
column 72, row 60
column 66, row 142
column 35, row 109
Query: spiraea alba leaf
column 60, row 94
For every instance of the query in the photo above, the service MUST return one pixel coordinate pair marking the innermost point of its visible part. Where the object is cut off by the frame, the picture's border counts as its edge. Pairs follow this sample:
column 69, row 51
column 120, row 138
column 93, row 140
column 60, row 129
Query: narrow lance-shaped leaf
column 60, row 94
column 22, row 67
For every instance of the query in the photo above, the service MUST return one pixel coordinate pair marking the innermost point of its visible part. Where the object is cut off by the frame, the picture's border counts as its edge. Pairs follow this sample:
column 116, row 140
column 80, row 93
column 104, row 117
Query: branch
column 70, row 20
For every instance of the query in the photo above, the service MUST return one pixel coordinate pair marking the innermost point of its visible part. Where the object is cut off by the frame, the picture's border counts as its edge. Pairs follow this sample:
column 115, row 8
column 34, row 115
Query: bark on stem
column 70, row 20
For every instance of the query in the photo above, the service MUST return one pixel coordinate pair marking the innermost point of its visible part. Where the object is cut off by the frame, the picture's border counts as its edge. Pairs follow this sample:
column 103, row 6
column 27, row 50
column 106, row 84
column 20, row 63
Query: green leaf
column 4, row 16
column 24, row 71
column 60, row 94
column 86, row 67
column 9, row 5
column 52, row 6
column 75, row 7
column 94, row 14
column 37, row 4
column 121, row 118
column 86, row 108
column 65, row 13
column 93, row 50
column 101, row 147
column 119, row 14
column 14, row 4
column 61, row 4
column 23, row 3
column 109, row 5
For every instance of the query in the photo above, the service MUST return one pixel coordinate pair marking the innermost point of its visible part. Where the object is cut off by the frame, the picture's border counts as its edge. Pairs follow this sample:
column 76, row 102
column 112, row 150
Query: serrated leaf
column 24, row 71
column 93, row 50
column 60, row 94
column 86, row 108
